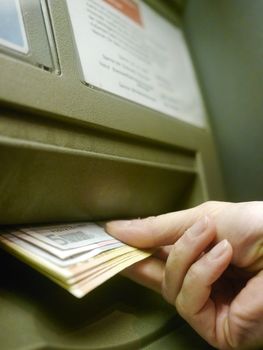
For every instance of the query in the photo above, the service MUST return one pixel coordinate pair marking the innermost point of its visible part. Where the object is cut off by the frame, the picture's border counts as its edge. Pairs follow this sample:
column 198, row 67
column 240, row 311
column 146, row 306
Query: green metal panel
column 226, row 41
column 69, row 152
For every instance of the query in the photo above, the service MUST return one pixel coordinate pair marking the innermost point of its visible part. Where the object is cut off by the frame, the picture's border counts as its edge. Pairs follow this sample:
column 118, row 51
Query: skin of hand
column 208, row 265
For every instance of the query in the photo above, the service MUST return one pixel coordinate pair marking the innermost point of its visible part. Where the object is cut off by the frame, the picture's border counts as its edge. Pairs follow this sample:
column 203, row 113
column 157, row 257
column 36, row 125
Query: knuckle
column 192, row 276
column 165, row 292
column 151, row 229
column 176, row 258
column 207, row 204
column 210, row 207
column 150, row 224
column 180, row 305
column 177, row 251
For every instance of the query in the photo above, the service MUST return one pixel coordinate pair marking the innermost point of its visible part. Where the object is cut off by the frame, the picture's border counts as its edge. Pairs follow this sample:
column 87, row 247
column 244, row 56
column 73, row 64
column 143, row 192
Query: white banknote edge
column 53, row 259
column 62, row 273
column 60, row 236
column 62, row 254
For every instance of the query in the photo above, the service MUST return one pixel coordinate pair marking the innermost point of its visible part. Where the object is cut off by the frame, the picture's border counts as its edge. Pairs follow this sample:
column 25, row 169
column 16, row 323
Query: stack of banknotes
column 79, row 256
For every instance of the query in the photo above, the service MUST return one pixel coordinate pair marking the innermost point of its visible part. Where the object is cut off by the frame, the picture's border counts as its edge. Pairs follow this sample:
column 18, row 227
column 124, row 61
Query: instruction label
column 128, row 49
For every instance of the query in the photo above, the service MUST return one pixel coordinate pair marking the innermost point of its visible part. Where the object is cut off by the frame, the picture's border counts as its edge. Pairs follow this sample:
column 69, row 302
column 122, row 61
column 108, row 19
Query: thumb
column 159, row 230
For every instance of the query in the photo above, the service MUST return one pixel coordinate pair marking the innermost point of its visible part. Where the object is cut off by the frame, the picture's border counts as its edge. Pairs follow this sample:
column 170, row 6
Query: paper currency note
column 78, row 256
column 68, row 236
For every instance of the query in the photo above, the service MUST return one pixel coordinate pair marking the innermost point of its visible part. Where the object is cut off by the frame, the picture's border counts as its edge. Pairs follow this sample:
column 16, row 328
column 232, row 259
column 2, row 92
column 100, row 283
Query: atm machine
column 101, row 117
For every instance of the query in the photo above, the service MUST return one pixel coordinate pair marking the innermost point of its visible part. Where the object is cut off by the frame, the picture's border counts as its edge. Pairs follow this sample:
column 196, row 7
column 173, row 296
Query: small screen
column 12, row 30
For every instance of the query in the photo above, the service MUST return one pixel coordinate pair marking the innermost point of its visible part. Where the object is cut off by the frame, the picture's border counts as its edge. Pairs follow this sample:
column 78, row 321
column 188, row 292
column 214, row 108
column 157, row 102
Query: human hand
column 213, row 272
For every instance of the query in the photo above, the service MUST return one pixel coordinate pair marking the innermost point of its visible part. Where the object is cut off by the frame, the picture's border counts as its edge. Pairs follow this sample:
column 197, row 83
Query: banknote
column 60, row 252
column 67, row 237
column 44, row 262
column 72, row 260
column 81, row 289
column 78, row 257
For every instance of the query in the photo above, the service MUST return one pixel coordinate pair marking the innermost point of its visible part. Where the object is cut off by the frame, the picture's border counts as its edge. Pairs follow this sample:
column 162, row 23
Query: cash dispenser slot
column 48, row 181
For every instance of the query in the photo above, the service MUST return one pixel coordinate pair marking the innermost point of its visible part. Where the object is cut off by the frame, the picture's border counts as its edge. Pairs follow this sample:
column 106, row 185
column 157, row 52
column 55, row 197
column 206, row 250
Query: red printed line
column 128, row 7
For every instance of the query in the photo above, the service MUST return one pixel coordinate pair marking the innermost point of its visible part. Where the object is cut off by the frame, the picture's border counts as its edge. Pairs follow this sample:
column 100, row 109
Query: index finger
column 163, row 229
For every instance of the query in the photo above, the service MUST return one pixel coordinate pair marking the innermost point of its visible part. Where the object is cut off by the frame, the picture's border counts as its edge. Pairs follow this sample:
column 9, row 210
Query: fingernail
column 199, row 227
column 218, row 250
